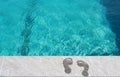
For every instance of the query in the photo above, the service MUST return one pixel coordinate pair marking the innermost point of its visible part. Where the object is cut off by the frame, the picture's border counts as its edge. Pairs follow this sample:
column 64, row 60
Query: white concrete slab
column 53, row 66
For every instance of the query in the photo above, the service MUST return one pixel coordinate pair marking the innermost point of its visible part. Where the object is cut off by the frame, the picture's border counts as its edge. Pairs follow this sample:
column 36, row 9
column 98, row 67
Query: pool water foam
column 55, row 27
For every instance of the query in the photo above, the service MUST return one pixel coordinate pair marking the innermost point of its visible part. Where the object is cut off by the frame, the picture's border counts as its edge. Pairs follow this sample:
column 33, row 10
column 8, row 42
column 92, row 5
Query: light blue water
column 55, row 27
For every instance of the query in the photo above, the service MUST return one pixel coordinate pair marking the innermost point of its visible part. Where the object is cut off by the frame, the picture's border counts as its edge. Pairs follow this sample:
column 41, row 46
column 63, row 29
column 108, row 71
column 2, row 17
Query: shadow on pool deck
column 113, row 16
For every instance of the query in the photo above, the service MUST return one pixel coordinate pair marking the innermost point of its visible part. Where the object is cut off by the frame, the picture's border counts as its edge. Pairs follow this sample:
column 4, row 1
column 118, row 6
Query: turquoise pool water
column 55, row 28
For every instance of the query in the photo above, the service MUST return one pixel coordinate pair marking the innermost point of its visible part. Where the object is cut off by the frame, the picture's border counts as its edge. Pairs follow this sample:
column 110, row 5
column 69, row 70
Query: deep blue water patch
column 56, row 28
column 113, row 16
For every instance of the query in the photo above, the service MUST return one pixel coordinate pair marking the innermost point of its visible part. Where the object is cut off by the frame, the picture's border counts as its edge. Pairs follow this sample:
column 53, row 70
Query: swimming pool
column 55, row 28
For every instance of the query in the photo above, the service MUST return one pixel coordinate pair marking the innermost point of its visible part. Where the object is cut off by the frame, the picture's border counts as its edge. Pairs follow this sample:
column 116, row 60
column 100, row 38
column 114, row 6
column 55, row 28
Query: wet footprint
column 85, row 65
column 66, row 63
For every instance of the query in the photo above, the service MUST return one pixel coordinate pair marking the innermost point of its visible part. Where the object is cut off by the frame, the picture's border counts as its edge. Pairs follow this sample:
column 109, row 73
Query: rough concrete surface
column 53, row 66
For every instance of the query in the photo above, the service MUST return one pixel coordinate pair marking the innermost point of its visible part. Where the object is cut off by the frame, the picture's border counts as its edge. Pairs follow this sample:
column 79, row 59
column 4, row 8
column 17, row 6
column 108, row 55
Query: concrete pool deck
column 53, row 66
